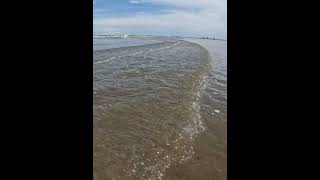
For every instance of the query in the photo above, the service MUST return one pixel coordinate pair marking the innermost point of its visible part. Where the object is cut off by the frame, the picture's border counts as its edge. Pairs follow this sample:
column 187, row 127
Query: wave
column 156, row 92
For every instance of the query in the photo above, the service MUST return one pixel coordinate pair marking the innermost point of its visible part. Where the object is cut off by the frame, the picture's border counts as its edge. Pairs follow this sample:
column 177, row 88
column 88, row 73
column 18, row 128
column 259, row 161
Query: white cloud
column 209, row 18
column 134, row 1
column 202, row 4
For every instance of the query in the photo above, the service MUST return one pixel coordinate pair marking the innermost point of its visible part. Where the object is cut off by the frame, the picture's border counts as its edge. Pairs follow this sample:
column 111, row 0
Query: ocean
column 160, row 109
column 100, row 43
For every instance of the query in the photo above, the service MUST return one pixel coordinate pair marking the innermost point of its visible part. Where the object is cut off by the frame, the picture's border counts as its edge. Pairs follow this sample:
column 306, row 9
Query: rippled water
column 160, row 111
column 100, row 43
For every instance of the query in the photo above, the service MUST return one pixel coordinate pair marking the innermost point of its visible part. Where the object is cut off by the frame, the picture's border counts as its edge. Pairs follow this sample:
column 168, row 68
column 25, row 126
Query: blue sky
column 161, row 17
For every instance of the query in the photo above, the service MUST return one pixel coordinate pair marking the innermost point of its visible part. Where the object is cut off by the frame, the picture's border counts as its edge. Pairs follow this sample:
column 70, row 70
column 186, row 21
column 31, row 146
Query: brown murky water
column 160, row 111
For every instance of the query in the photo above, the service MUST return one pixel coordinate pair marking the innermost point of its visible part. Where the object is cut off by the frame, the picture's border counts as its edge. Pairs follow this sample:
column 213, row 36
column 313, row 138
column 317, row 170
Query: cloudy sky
column 161, row 17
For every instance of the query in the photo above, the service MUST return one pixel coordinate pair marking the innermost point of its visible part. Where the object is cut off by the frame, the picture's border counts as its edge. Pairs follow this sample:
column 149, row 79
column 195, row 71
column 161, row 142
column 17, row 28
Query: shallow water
column 100, row 43
column 210, row 147
column 160, row 112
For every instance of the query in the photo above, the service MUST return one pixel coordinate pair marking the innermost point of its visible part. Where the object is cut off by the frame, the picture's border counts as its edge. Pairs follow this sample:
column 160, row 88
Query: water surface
column 160, row 111
column 100, row 43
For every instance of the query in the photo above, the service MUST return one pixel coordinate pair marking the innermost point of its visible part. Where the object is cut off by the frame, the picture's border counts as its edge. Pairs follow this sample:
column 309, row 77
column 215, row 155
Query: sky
column 161, row 17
